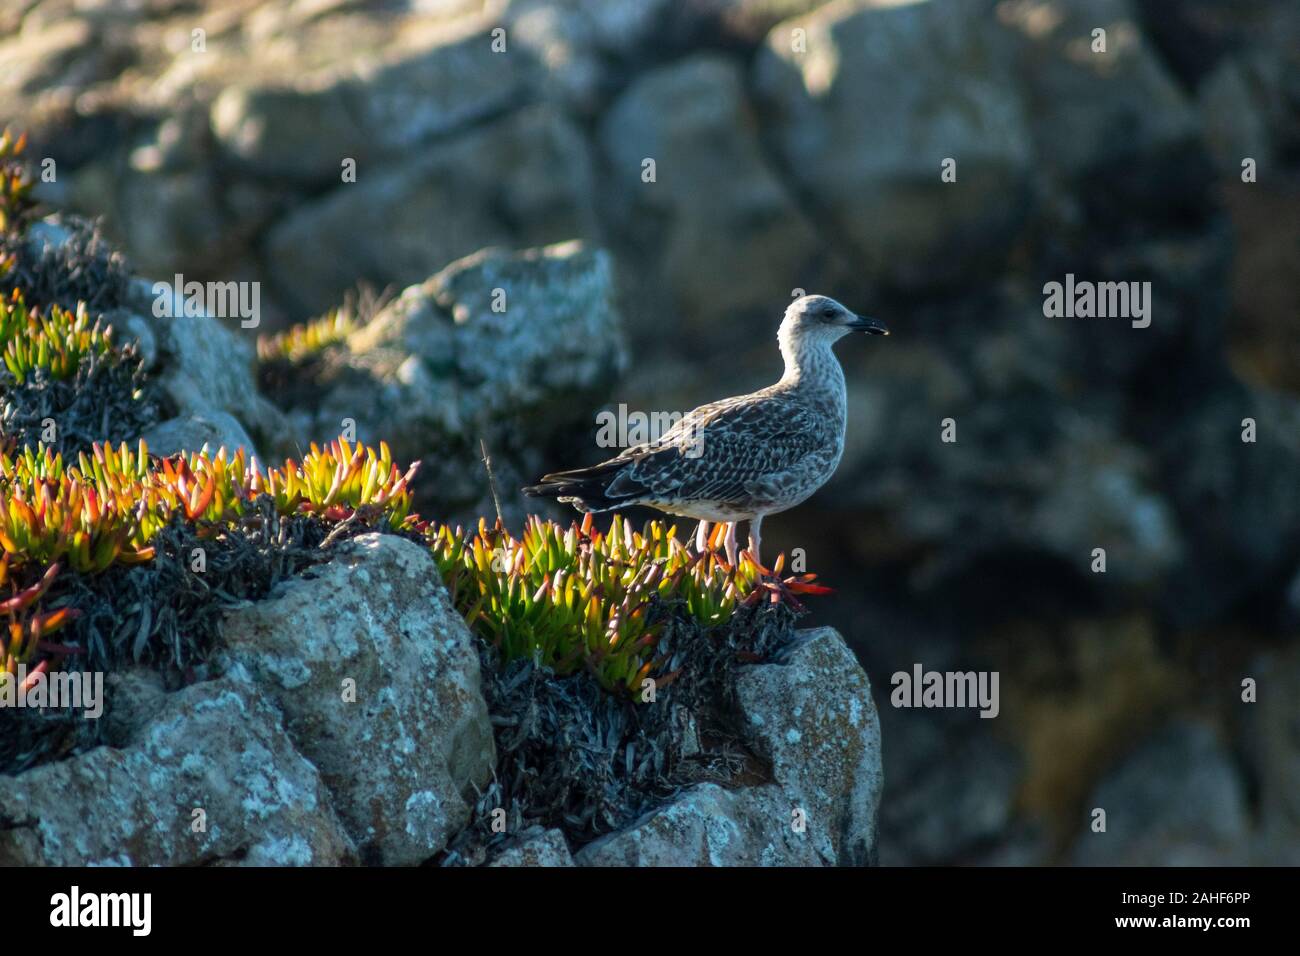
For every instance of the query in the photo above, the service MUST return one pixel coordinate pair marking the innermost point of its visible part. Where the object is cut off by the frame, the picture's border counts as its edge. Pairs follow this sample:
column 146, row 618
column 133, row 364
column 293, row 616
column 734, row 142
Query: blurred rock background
column 799, row 145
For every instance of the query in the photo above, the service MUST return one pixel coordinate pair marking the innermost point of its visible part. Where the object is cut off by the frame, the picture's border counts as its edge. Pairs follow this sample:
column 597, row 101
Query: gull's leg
column 730, row 542
column 701, row 537
column 755, row 540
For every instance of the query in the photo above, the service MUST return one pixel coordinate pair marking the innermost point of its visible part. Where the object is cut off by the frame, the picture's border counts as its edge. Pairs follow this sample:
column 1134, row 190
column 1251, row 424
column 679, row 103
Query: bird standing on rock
column 742, row 458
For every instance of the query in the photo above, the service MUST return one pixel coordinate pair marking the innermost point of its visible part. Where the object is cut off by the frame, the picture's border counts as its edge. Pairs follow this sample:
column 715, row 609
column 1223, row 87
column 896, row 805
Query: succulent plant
column 25, row 630
column 15, row 182
column 576, row 598
column 55, row 343
column 106, row 508
column 570, row 598
column 309, row 338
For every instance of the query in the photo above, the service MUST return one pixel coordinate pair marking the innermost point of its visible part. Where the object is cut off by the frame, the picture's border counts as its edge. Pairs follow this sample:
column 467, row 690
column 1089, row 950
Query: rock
column 170, row 221
column 278, row 130
column 1133, row 133
column 1177, row 800
column 395, row 105
column 452, row 361
column 378, row 679
column 128, row 326
column 953, row 790
column 863, row 120
column 1270, row 744
column 213, row 430
column 748, row 21
column 136, row 694
column 1079, row 484
column 519, row 328
column 1235, row 125
column 812, row 715
column 717, row 240
column 536, row 847
column 206, row 368
column 1195, row 36
column 216, row 746
column 588, row 47
column 47, row 234
column 1235, row 499
column 710, row 826
column 520, row 181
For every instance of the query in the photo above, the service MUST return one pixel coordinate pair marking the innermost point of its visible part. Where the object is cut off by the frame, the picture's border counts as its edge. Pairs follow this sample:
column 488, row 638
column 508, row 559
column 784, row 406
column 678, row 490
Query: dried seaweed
column 573, row 757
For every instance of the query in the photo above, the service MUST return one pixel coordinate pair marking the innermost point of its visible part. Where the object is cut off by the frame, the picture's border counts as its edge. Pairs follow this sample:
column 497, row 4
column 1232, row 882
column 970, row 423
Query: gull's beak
column 861, row 323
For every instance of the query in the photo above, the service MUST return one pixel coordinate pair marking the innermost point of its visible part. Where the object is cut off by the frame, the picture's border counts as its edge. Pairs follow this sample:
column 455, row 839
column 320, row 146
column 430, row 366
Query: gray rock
column 1249, row 536
column 170, row 221
column 278, row 130
column 136, row 695
column 1117, row 109
column 1235, row 125
column 812, row 715
column 216, row 746
column 1177, row 800
column 213, row 430
column 953, row 788
column 716, row 238
column 710, row 826
column 451, row 361
column 451, row 80
column 520, row 181
column 587, row 47
column 1079, row 484
column 378, row 678
column 1270, row 742
column 127, row 326
column 750, row 20
column 863, row 115
column 536, row 847
column 206, row 368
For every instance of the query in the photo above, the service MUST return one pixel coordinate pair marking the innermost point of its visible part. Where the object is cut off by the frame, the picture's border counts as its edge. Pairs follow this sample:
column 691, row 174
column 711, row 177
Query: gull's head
column 819, row 318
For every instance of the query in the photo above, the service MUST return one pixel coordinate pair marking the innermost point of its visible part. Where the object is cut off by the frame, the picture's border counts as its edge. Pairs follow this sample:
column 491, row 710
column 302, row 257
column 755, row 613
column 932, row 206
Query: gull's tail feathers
column 603, row 487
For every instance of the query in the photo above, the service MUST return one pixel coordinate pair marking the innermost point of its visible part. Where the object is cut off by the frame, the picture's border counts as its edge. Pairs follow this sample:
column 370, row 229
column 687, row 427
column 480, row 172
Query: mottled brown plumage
column 739, row 458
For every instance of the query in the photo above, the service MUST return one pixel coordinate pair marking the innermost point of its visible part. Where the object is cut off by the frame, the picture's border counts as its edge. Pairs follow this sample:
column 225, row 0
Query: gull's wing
column 736, row 450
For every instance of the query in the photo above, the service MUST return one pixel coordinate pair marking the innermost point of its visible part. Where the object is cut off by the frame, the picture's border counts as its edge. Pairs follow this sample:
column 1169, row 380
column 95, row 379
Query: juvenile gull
column 742, row 458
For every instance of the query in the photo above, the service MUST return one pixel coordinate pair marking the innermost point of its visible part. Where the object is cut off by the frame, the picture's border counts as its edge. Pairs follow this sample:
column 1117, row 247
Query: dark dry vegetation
column 574, row 758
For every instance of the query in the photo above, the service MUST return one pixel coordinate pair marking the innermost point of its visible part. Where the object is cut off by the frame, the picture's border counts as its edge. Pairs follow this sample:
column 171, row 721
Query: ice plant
column 55, row 343
column 23, row 633
column 48, row 514
column 106, row 507
column 15, row 182
column 572, row 598
column 341, row 479
column 578, row 598
column 109, row 504
column 308, row 338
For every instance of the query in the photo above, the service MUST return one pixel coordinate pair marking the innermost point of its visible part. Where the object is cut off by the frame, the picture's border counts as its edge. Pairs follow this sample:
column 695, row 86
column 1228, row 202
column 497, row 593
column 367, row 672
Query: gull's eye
column 828, row 312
